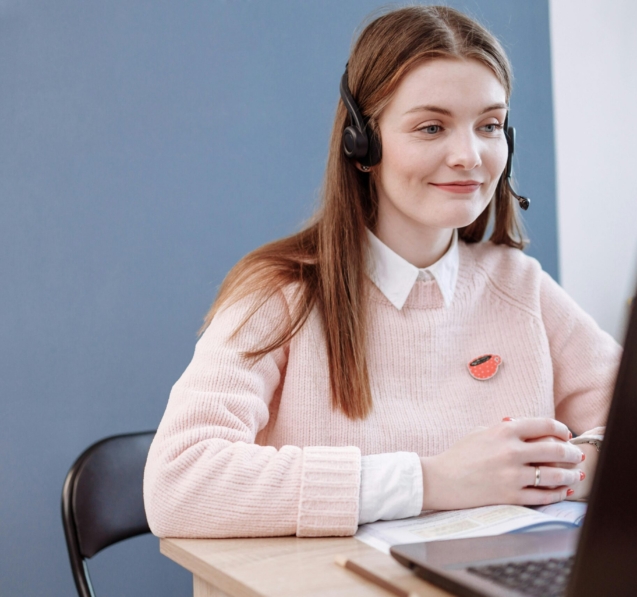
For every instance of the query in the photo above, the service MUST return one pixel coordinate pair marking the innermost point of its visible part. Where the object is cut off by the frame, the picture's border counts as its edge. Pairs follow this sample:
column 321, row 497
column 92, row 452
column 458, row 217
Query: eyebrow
column 448, row 112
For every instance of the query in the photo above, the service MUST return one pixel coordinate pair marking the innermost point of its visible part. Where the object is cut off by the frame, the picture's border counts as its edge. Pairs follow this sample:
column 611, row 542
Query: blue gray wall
column 145, row 146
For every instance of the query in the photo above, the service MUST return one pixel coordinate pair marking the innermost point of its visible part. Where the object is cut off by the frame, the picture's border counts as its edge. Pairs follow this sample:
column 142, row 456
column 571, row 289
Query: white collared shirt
column 391, row 484
column 395, row 276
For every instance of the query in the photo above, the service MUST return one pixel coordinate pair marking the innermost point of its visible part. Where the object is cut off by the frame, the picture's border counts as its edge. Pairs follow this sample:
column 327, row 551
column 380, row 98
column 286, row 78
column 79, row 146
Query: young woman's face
column 443, row 146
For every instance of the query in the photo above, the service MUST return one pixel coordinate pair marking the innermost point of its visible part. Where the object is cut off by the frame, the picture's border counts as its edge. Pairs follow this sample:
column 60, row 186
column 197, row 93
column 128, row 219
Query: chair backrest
column 102, row 500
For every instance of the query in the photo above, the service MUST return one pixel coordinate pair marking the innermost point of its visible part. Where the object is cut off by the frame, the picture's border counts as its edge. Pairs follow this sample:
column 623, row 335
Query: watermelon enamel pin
column 484, row 367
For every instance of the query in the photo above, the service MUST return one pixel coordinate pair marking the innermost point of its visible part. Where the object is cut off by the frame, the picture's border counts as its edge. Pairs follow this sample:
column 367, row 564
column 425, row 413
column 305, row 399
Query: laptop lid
column 606, row 560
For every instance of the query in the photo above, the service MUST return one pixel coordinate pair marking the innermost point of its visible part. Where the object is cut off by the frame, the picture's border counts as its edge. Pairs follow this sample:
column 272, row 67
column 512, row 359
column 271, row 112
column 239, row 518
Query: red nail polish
column 570, row 492
column 570, row 435
column 508, row 419
column 582, row 475
column 583, row 457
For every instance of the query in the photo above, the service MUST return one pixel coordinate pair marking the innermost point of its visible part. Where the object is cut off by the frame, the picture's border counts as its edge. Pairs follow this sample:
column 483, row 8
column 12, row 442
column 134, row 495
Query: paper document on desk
column 472, row 522
column 570, row 511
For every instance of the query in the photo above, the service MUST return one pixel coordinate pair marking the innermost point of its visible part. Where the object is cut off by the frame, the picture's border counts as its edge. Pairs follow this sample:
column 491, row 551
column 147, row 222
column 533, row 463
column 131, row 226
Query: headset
column 362, row 144
column 509, row 133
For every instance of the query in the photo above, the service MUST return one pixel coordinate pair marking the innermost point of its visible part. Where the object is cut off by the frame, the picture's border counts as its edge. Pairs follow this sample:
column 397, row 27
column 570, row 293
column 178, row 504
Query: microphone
column 523, row 201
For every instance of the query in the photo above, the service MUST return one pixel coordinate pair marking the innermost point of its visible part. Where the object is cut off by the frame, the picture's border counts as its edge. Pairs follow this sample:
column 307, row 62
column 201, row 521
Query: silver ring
column 537, row 476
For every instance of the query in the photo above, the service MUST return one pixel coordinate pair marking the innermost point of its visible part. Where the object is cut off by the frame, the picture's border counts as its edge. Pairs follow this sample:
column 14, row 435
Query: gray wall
column 145, row 146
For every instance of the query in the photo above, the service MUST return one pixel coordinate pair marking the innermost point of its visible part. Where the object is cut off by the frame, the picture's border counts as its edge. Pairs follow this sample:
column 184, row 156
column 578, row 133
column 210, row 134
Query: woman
column 362, row 368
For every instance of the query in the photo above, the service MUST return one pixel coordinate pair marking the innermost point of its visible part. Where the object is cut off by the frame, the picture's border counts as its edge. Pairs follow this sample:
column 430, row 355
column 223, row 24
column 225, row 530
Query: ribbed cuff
column 330, row 488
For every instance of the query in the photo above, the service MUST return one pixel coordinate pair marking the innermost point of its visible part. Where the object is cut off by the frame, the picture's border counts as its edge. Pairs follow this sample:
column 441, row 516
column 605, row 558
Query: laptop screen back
column 606, row 561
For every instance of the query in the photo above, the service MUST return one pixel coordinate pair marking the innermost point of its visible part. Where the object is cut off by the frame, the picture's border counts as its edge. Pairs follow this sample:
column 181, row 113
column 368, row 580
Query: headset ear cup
column 355, row 143
column 375, row 149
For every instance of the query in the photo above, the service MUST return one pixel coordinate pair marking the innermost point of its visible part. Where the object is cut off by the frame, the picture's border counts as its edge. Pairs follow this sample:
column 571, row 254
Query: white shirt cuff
column 596, row 433
column 593, row 436
column 391, row 486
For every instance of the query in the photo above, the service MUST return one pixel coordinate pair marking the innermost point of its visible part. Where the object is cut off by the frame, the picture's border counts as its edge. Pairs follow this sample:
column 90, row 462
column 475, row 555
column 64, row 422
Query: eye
column 431, row 129
column 492, row 127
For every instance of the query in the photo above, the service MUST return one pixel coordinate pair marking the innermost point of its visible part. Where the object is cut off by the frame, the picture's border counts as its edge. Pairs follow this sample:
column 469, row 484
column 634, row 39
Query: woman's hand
column 497, row 466
column 582, row 490
column 587, row 467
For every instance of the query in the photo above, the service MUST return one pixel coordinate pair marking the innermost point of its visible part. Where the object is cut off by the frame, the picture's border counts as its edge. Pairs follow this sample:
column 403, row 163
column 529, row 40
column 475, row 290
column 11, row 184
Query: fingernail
column 583, row 456
column 570, row 435
column 582, row 475
column 570, row 492
column 508, row 419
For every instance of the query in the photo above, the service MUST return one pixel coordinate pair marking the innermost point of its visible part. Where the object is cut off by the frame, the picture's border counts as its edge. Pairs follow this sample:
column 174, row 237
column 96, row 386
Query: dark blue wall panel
column 145, row 146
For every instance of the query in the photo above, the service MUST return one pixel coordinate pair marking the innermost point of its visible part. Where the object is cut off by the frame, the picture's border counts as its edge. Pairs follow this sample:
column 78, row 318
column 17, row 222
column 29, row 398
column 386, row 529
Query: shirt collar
column 395, row 277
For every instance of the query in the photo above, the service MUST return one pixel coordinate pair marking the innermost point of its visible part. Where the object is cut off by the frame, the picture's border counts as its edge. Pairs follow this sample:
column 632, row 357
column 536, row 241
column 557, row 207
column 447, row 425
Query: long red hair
column 325, row 262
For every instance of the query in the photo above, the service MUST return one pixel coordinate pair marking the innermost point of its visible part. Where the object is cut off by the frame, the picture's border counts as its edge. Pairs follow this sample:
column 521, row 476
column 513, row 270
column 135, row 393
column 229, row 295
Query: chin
column 459, row 217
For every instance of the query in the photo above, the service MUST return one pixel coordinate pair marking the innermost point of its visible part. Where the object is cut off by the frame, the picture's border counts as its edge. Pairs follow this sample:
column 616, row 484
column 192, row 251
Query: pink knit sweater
column 255, row 449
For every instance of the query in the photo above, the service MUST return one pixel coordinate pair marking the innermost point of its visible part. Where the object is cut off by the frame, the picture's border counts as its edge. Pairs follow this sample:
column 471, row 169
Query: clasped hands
column 497, row 465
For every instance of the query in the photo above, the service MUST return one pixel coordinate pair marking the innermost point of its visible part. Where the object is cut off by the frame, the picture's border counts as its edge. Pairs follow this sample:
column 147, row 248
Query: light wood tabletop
column 288, row 566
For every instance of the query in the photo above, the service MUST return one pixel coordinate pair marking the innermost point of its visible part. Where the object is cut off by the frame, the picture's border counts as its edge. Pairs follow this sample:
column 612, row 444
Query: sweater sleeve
column 205, row 476
column 585, row 359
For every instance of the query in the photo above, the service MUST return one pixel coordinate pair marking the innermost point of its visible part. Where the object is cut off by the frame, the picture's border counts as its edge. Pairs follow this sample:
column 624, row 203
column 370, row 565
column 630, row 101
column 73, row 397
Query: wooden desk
column 287, row 566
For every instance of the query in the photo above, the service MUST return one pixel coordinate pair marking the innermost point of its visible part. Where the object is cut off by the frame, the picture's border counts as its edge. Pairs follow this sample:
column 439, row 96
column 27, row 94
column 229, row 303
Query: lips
column 458, row 186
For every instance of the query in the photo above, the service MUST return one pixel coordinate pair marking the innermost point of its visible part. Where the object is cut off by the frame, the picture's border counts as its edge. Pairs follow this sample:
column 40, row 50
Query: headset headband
column 352, row 108
column 359, row 143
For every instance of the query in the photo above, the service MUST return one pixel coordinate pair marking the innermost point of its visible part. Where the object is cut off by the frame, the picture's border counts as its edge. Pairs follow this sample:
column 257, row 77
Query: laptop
column 598, row 560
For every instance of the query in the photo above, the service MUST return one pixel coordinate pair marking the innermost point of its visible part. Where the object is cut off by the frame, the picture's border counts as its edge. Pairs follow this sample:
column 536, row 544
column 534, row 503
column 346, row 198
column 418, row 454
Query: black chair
column 102, row 500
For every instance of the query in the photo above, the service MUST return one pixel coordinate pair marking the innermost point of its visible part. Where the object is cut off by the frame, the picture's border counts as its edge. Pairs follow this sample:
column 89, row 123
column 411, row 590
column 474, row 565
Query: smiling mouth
column 464, row 186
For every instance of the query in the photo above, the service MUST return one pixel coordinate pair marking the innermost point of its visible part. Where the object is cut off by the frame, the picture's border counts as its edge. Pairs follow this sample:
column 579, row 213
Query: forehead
column 454, row 84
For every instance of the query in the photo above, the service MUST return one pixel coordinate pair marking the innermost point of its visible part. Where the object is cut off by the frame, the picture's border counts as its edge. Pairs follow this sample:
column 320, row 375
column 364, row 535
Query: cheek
column 496, row 160
column 403, row 162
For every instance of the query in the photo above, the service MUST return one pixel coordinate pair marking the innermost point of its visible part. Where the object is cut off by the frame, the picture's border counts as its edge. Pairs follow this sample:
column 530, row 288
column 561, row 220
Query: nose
column 464, row 151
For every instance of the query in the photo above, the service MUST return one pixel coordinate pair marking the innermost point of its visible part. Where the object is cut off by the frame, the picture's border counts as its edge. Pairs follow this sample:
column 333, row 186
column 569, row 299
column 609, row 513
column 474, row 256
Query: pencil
column 369, row 575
